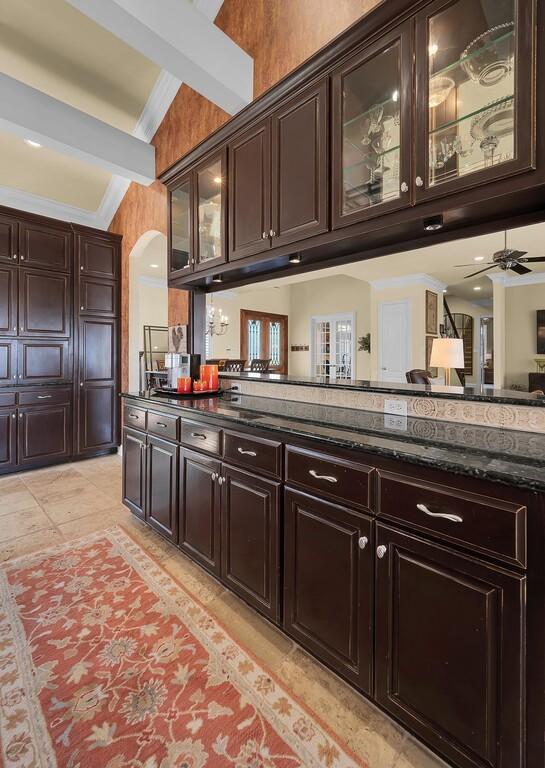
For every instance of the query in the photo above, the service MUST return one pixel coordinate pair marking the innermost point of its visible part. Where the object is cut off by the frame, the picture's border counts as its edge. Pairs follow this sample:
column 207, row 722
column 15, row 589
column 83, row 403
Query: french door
column 264, row 336
column 333, row 346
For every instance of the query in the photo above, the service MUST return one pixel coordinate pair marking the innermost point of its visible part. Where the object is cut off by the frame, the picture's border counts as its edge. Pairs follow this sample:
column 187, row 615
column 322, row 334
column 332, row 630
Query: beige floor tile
column 10, row 483
column 366, row 731
column 32, row 542
column 13, row 499
column 61, row 489
column 415, row 756
column 266, row 642
column 81, row 505
column 195, row 580
column 95, row 522
column 23, row 522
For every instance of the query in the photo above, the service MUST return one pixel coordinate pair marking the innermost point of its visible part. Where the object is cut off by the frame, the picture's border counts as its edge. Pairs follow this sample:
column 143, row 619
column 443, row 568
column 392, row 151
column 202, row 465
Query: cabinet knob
column 381, row 551
column 20, row 415
column 363, row 541
column 12, row 415
column 264, row 235
column 272, row 233
column 214, row 477
column 404, row 186
column 419, row 181
column 22, row 258
column 220, row 480
column 81, row 268
column 14, row 327
column 81, row 383
column 15, row 256
column 82, row 307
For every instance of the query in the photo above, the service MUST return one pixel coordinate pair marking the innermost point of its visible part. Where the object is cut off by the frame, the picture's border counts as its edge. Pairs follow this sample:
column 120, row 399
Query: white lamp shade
column 447, row 353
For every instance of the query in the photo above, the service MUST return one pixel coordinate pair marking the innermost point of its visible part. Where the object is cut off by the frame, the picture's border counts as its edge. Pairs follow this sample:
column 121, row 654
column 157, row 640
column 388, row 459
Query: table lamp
column 447, row 354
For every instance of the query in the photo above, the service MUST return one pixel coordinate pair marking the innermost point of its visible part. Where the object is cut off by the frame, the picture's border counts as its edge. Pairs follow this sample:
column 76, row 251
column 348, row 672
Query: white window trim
column 332, row 319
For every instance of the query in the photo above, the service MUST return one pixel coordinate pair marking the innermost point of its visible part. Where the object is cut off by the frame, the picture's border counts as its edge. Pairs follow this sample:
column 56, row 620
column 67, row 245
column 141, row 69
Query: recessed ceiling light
column 32, row 143
column 444, row 290
column 295, row 258
column 433, row 223
column 477, row 288
column 217, row 279
column 154, row 266
column 478, row 258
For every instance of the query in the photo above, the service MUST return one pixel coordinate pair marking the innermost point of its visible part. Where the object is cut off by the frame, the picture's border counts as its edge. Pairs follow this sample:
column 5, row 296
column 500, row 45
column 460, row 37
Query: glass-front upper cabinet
column 211, row 185
column 181, row 228
column 371, row 130
column 474, row 93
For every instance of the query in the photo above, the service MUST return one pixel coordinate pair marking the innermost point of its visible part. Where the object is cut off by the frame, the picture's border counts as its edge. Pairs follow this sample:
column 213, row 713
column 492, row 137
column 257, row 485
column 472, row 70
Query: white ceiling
column 439, row 262
column 59, row 51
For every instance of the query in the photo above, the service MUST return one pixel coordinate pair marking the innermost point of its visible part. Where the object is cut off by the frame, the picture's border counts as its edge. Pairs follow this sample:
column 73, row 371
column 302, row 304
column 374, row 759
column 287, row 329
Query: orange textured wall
column 279, row 35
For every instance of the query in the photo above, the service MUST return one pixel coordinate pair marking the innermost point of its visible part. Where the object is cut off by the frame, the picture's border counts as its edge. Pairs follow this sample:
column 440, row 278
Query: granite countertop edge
column 528, row 476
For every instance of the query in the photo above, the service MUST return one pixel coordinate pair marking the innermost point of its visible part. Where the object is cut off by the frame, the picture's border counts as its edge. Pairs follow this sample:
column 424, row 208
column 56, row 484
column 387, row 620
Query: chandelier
column 216, row 325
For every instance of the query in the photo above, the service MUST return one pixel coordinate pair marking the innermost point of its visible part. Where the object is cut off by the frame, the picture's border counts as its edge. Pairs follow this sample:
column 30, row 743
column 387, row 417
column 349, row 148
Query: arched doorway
column 148, row 294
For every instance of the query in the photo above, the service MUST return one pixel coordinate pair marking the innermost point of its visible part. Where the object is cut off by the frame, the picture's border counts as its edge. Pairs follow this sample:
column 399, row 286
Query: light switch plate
column 397, row 407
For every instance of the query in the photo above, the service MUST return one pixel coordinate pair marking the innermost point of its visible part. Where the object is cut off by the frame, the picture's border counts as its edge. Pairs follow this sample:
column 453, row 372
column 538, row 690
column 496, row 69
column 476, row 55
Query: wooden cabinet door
column 328, row 584
column 300, row 166
column 475, row 94
column 372, row 130
column 44, row 433
column 8, row 439
column 44, row 303
column 449, row 645
column 97, row 386
column 98, row 256
column 8, row 300
column 134, row 471
column 181, row 228
column 98, row 297
column 162, row 487
column 250, row 192
column 42, row 361
column 250, row 539
column 199, row 509
column 210, row 210
column 8, row 362
column 47, row 247
column 9, row 247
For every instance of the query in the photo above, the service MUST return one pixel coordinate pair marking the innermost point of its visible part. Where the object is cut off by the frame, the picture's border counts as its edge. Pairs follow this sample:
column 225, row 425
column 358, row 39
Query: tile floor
column 45, row 507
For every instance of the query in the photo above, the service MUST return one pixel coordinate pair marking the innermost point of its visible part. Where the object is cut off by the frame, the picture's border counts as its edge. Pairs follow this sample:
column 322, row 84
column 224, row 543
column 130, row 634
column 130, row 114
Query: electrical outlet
column 397, row 407
column 395, row 422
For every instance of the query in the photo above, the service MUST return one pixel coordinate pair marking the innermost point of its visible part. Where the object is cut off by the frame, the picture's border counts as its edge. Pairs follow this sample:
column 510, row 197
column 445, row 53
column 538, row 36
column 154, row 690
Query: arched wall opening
column 148, row 295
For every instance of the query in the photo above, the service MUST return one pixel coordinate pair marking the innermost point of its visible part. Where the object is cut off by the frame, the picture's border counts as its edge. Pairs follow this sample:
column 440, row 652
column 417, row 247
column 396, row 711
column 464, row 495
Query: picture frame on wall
column 429, row 343
column 431, row 312
column 541, row 331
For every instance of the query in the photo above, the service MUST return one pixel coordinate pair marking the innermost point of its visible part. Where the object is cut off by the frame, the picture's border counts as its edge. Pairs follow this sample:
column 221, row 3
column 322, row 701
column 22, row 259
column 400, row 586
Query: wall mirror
column 386, row 320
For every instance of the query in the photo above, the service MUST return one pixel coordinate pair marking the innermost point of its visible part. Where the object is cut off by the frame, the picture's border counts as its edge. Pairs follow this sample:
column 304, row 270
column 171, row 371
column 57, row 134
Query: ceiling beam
column 31, row 114
column 180, row 39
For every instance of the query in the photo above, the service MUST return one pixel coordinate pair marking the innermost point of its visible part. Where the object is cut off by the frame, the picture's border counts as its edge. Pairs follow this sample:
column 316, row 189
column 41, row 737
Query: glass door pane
column 471, row 88
column 210, row 186
column 275, row 338
column 343, row 349
column 180, row 257
column 254, row 339
column 371, row 137
column 322, row 346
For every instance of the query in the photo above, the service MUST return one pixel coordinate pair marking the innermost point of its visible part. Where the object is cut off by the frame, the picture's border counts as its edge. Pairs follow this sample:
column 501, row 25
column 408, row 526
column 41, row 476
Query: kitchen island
column 409, row 557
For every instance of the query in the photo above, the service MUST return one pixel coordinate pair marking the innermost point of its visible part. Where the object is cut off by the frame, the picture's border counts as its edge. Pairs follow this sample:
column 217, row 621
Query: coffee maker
column 180, row 364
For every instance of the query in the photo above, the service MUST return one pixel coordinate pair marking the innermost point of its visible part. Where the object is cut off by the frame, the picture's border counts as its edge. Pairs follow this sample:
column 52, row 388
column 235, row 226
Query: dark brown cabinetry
column 200, row 500
column 328, row 587
column 449, row 647
column 8, row 438
column 162, row 486
column 250, row 538
column 59, row 303
column 134, row 471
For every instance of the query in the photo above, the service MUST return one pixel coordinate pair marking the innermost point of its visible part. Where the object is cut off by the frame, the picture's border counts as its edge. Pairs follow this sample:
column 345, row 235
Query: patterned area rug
column 105, row 660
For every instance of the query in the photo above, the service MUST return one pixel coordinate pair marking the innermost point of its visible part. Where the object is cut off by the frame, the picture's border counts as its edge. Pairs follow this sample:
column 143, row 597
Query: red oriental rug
column 105, row 660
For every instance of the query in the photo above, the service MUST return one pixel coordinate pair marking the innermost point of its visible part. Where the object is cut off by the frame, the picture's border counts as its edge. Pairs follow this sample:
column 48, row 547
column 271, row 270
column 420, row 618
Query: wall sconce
column 364, row 343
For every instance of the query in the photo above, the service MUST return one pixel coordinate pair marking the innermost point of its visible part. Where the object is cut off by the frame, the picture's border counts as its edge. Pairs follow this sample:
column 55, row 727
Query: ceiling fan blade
column 535, row 259
column 479, row 272
column 520, row 269
column 518, row 254
column 472, row 265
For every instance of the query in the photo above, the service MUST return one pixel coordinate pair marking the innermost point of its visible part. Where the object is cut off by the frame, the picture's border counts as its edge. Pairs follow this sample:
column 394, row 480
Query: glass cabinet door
column 181, row 227
column 372, row 113
column 475, row 113
column 211, row 208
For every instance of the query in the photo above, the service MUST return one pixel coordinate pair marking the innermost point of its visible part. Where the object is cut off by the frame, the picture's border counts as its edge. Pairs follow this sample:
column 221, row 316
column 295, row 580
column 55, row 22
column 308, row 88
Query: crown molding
column 161, row 97
column 427, row 281
column 44, row 206
column 510, row 281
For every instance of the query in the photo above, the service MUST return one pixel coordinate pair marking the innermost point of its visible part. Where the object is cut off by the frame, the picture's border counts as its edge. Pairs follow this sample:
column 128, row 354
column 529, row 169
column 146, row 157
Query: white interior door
column 394, row 340
column 333, row 346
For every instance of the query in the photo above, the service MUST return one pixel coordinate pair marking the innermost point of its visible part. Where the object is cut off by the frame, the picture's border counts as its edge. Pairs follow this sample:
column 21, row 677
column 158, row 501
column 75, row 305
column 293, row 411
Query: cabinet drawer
column 339, row 479
column 253, row 452
column 198, row 436
column 163, row 424
column 45, row 396
column 134, row 417
column 490, row 525
column 7, row 398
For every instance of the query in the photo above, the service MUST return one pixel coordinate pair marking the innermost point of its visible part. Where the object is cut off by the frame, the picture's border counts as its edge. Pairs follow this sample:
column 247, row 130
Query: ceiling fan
column 506, row 259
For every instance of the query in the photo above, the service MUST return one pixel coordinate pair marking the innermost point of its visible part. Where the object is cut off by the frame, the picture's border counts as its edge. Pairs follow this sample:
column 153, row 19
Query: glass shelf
column 361, row 115
column 504, row 45
column 475, row 113
column 378, row 155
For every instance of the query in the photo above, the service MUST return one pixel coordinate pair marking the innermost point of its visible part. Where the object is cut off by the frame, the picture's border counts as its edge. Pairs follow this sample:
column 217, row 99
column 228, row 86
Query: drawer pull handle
column 199, row 435
column 246, row 453
column 162, row 424
column 453, row 518
column 363, row 541
column 44, row 397
column 133, row 416
column 329, row 478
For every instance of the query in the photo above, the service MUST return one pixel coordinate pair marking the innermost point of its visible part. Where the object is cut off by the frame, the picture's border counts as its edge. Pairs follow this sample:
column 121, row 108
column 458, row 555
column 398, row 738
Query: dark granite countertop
column 470, row 392
column 501, row 455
